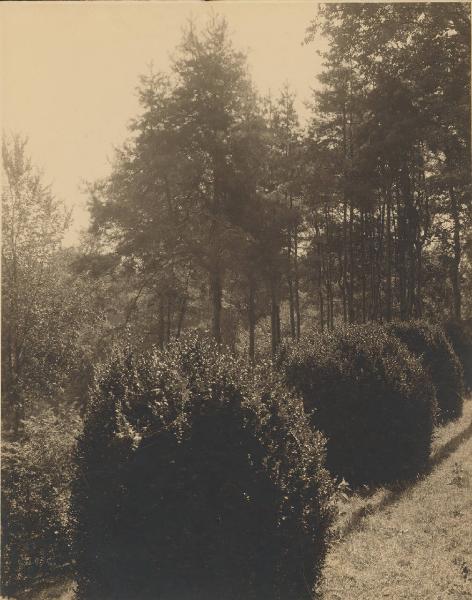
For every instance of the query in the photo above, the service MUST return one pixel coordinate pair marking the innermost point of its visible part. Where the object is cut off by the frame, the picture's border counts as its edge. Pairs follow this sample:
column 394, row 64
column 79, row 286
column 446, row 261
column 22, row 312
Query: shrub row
column 377, row 392
column 439, row 360
column 460, row 337
column 371, row 398
column 198, row 478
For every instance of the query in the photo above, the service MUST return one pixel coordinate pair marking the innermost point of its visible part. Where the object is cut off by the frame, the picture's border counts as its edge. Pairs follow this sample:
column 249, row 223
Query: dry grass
column 60, row 589
column 413, row 542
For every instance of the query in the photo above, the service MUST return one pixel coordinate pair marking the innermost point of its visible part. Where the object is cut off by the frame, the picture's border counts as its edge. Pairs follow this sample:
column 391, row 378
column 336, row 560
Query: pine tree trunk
column 324, row 284
column 180, row 321
column 388, row 274
column 320, row 301
column 364, row 266
column 216, row 295
column 379, row 258
column 423, row 219
column 17, row 403
column 344, row 263
column 319, row 277
column 352, row 267
column 296, row 283
column 291, row 302
column 274, row 318
column 372, row 311
column 351, row 311
column 161, row 323
column 251, row 314
column 169, row 320
column 346, row 299
column 456, row 260
column 419, row 280
column 277, row 322
column 408, row 250
column 329, row 281
column 291, row 305
column 214, row 247
column 401, row 249
column 412, row 271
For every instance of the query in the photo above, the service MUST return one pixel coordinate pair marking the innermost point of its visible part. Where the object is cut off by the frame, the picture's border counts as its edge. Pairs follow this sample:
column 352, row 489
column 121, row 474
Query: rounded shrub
column 198, row 478
column 370, row 397
column 430, row 344
column 460, row 338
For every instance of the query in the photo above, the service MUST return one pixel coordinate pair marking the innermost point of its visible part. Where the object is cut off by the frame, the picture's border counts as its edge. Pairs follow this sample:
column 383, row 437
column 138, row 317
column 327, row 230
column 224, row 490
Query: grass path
column 410, row 543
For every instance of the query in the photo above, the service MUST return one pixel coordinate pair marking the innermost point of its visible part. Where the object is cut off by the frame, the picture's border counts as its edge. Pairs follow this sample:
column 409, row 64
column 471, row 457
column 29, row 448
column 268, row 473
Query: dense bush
column 429, row 343
column 198, row 478
column 460, row 338
column 370, row 397
column 36, row 477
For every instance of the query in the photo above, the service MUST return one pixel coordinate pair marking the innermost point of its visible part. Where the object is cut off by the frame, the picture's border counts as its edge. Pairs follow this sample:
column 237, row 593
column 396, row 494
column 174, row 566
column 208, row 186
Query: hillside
column 410, row 543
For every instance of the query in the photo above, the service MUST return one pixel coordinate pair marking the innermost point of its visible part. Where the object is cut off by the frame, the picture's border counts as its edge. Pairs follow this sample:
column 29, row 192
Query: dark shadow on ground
column 451, row 446
column 55, row 587
column 395, row 492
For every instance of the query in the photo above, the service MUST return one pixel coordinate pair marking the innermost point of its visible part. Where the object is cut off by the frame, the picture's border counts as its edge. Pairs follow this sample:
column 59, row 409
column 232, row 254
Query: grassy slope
column 414, row 542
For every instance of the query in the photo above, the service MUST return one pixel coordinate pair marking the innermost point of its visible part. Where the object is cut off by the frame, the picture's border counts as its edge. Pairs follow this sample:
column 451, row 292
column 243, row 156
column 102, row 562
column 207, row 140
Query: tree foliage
column 43, row 308
column 390, row 132
column 231, row 215
column 36, row 484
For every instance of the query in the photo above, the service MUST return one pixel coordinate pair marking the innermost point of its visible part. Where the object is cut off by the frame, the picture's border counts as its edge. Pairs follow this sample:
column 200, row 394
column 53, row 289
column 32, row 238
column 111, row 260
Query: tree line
column 224, row 211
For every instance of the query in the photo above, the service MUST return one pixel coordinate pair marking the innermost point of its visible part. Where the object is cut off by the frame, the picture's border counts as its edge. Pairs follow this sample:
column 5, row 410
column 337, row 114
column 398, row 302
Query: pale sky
column 69, row 72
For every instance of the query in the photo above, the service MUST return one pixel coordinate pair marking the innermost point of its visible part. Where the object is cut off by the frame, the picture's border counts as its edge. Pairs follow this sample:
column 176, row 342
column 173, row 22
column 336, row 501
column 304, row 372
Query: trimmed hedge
column 429, row 343
column 198, row 479
column 370, row 397
column 460, row 338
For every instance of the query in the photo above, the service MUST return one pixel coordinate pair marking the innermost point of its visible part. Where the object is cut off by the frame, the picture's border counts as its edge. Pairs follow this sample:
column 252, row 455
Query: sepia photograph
column 236, row 300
